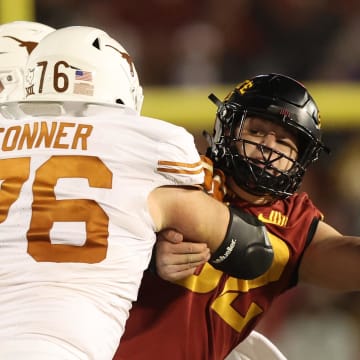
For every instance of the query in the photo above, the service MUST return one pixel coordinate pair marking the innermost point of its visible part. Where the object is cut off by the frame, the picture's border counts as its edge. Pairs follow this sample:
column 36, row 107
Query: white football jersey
column 75, row 230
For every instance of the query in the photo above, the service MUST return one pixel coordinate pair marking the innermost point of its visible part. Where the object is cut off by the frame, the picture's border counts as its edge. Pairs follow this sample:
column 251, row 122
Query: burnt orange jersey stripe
column 179, row 171
column 207, row 163
column 174, row 163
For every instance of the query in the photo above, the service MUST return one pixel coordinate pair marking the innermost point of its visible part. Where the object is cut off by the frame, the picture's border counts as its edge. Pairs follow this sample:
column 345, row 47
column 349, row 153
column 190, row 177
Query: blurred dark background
column 184, row 49
column 208, row 41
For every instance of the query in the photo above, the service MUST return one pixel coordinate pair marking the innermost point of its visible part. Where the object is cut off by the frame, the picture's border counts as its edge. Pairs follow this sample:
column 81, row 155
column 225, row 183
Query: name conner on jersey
column 56, row 135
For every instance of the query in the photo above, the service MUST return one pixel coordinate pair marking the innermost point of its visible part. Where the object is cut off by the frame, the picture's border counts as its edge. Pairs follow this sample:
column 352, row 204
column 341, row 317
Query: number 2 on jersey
column 209, row 279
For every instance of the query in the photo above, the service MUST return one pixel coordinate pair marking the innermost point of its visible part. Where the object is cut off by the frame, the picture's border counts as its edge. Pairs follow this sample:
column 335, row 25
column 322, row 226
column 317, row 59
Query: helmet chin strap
column 236, row 191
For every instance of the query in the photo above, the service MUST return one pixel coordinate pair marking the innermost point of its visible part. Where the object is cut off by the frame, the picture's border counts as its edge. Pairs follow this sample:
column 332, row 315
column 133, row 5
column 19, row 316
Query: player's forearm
column 194, row 214
column 332, row 263
column 238, row 241
column 246, row 251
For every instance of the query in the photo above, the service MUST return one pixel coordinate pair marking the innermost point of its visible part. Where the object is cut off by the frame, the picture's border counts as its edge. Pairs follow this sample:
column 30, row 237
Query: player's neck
column 242, row 194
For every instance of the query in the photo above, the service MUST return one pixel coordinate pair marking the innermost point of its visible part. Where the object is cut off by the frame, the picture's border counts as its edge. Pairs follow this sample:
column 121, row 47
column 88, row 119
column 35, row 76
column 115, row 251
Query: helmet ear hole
column 96, row 44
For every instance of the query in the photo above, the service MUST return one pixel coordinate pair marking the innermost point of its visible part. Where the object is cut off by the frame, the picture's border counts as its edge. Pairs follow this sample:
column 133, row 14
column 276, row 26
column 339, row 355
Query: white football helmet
column 80, row 63
column 17, row 40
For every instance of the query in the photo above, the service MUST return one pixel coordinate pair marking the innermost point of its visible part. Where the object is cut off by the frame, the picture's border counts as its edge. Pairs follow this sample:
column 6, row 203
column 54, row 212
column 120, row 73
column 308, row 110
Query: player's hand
column 177, row 259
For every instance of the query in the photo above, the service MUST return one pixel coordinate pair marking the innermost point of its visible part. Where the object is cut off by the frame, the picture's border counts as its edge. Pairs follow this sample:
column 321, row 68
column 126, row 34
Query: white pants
column 256, row 347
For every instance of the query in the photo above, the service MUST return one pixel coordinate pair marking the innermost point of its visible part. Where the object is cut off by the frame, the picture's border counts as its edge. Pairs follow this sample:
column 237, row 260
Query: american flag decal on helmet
column 83, row 75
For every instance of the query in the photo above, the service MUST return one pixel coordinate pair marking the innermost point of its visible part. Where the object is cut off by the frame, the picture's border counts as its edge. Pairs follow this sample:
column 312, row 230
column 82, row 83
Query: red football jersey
column 206, row 315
